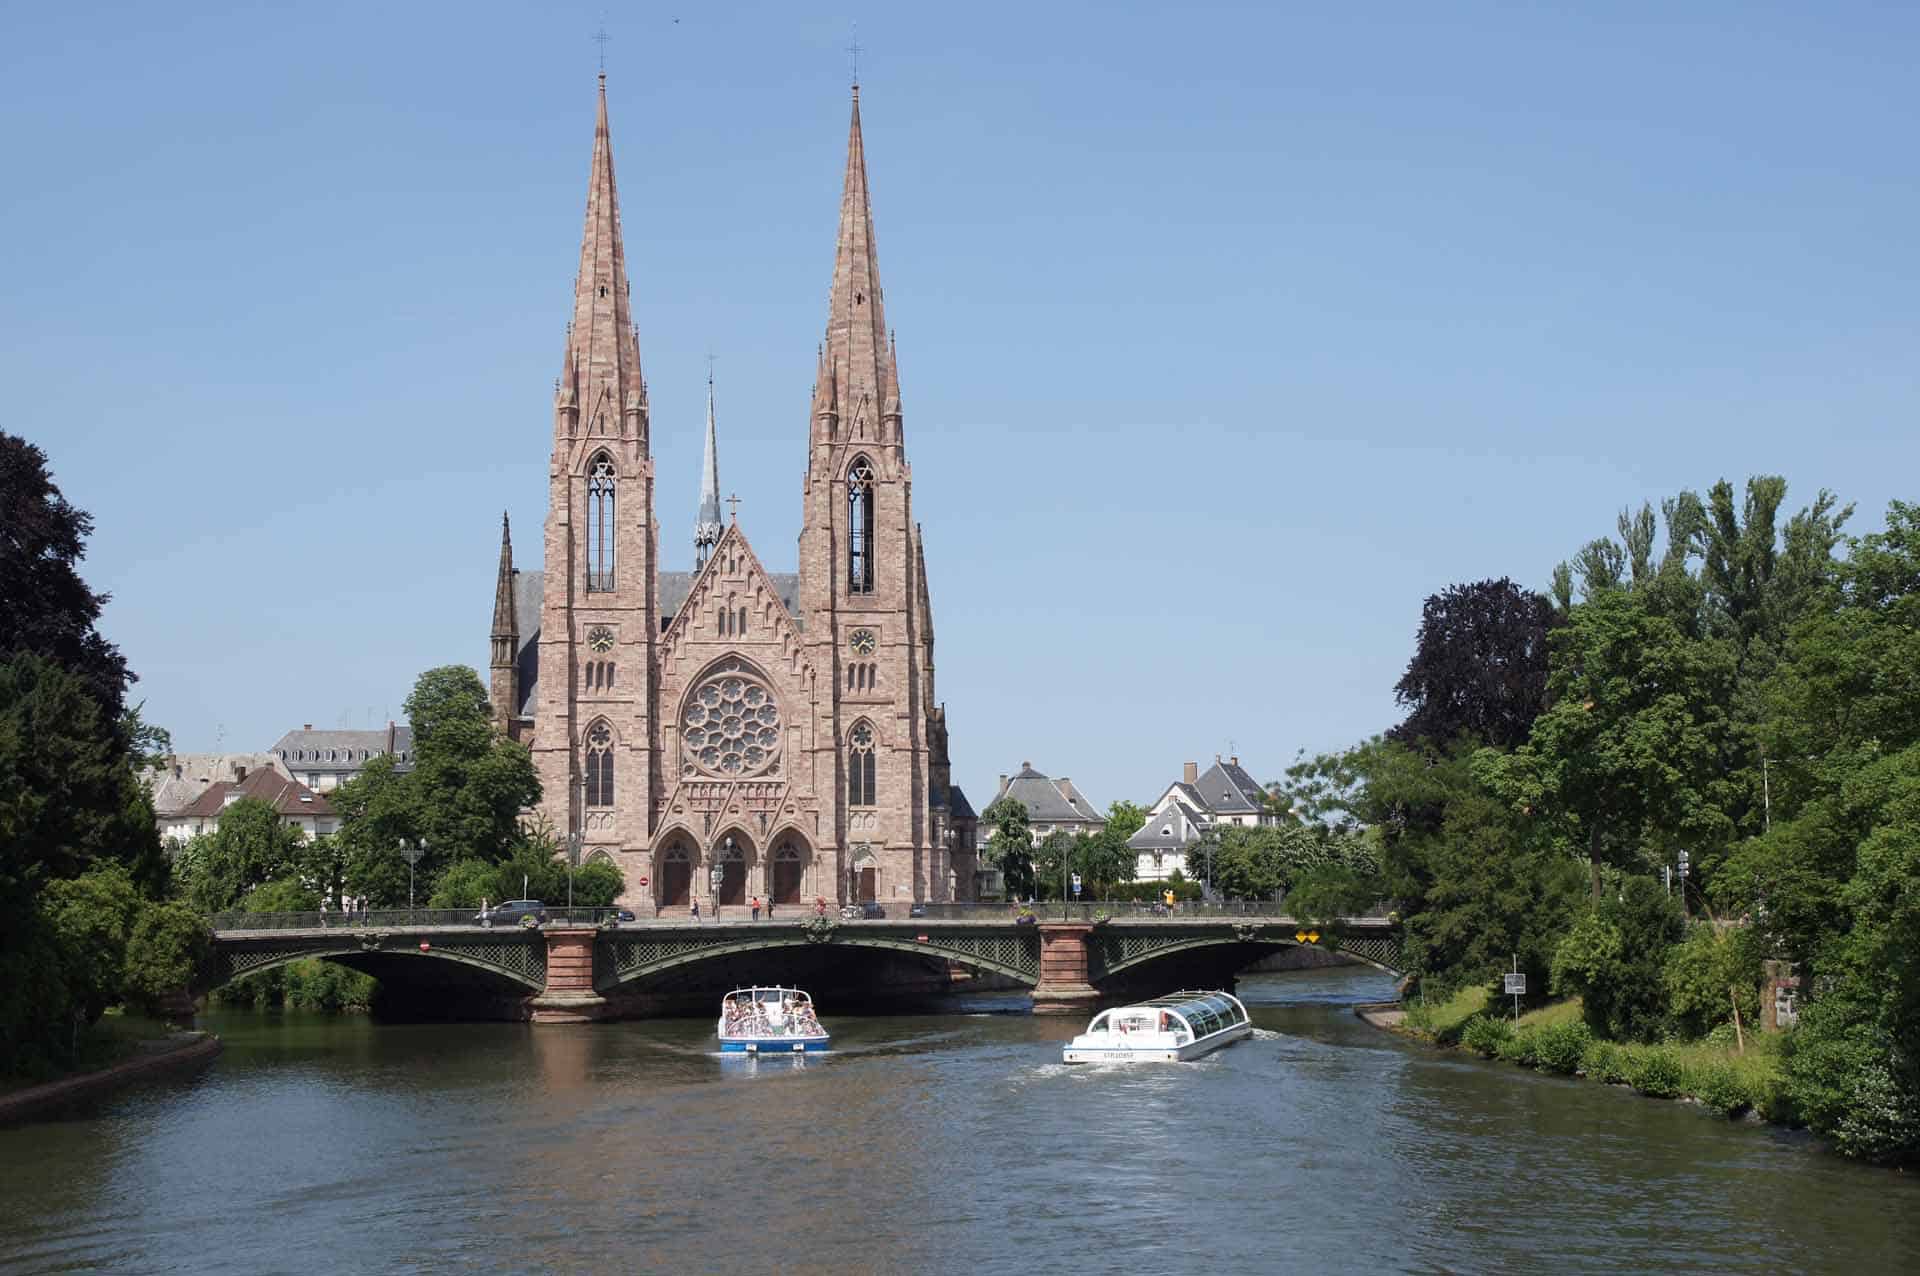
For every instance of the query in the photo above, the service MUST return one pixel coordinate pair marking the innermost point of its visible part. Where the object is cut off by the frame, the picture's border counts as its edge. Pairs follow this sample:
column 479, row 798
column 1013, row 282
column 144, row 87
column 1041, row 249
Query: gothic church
column 728, row 732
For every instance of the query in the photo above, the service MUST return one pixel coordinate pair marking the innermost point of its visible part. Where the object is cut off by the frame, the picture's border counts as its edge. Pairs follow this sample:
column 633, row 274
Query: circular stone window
column 731, row 726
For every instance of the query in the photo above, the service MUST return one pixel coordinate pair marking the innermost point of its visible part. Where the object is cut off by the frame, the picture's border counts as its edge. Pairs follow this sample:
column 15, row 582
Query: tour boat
column 773, row 1020
column 1181, row 1025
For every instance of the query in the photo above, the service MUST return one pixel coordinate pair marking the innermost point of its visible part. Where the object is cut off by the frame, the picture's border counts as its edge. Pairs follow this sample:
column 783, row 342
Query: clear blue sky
column 1227, row 333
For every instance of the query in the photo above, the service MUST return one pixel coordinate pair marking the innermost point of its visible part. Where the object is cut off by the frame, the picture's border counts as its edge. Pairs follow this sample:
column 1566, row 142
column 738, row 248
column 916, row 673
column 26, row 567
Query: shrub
column 1704, row 972
column 168, row 951
column 88, row 919
column 1484, row 1035
column 1613, row 958
column 1517, row 1047
column 1721, row 1087
column 1601, row 1061
column 598, row 884
column 1653, row 1071
column 465, row 884
column 1559, row 1047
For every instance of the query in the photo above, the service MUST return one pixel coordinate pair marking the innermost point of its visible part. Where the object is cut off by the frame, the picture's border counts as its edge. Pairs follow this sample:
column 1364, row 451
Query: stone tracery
column 731, row 725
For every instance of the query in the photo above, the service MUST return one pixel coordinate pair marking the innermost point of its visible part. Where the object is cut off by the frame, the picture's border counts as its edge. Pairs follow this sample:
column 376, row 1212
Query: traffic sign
column 643, row 881
column 1513, row 985
column 1076, row 884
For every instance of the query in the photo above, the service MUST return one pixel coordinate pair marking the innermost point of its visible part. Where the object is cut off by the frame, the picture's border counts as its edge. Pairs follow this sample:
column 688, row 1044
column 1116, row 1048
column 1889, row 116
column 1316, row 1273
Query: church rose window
column 860, row 527
column 731, row 725
column 600, row 524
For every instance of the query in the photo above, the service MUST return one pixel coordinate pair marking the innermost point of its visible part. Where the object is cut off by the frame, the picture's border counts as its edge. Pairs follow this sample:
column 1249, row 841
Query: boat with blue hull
column 770, row 1020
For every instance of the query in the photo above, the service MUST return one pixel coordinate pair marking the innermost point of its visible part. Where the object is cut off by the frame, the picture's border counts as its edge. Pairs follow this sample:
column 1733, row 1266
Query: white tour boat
column 1181, row 1025
column 770, row 1021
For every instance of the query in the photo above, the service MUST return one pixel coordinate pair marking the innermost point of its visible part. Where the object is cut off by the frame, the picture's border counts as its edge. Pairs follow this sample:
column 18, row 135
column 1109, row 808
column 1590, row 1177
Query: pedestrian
column 694, row 909
column 756, row 907
column 323, row 912
column 819, row 905
column 769, row 908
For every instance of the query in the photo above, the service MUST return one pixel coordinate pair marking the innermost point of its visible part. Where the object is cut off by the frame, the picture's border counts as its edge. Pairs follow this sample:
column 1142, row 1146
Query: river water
column 936, row 1143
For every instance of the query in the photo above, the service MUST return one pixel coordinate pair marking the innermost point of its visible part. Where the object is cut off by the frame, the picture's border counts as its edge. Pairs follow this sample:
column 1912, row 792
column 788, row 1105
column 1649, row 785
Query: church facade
column 728, row 732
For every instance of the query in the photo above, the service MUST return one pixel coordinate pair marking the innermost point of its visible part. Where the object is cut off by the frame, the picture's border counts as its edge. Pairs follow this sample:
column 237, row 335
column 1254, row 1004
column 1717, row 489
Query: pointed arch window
column 601, row 483
column 861, row 790
column 599, row 764
column 860, row 547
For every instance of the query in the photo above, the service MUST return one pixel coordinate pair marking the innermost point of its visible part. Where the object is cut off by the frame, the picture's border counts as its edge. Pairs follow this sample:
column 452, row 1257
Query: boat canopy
column 1204, row 1014
column 769, row 995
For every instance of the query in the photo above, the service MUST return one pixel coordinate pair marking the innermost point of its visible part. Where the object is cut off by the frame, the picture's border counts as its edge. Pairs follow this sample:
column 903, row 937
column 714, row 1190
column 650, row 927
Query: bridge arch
column 503, row 963
column 632, row 958
column 1119, row 953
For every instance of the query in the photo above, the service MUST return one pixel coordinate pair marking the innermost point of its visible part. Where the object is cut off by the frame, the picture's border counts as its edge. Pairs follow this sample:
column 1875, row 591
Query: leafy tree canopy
column 1010, row 848
column 1479, row 666
column 50, row 612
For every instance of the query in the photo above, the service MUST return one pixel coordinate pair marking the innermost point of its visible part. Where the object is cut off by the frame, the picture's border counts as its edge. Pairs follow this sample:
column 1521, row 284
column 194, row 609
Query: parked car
column 619, row 914
column 865, row 911
column 511, row 913
column 918, row 910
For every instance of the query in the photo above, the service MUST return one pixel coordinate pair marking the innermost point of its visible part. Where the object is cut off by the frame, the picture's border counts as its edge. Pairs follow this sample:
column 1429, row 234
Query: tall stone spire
column 707, row 527
column 603, row 352
column 856, row 319
column 505, row 639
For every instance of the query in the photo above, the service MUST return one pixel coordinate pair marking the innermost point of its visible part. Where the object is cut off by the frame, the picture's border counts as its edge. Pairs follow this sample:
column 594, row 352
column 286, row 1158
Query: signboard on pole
column 1076, row 886
column 1515, row 985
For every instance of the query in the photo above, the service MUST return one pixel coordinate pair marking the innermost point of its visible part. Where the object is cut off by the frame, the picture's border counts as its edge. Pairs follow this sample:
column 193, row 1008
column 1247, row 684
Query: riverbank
column 149, row 1057
column 1722, row 1075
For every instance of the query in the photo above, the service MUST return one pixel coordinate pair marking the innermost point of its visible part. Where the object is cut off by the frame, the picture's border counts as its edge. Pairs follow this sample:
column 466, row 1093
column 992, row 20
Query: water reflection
column 930, row 1142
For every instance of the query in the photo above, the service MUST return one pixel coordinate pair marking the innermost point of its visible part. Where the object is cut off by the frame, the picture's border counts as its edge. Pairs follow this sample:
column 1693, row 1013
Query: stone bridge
column 567, row 971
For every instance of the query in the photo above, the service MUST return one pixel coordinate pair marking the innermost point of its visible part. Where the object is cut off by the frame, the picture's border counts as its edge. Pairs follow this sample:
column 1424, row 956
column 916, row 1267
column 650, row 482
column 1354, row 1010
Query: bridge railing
column 395, row 919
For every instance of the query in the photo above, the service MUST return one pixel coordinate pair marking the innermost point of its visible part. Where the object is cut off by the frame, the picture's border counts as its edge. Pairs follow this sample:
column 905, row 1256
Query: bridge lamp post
column 411, row 851
column 573, row 862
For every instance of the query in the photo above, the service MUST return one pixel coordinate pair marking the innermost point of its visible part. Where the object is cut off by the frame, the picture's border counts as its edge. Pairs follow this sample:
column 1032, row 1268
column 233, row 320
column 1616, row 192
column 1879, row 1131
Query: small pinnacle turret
column 706, row 526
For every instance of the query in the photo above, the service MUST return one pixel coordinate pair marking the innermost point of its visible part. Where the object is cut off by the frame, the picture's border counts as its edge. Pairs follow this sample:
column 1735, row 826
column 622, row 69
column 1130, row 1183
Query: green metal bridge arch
column 520, row 958
column 625, row 957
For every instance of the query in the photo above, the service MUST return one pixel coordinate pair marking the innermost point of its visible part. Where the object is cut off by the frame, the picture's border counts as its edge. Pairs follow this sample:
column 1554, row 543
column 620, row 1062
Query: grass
column 1555, row 1038
column 1444, row 1020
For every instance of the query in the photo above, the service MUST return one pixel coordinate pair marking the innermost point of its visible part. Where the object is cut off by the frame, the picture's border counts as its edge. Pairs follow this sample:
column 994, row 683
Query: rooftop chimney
column 390, row 734
column 1003, row 782
column 308, row 727
column 1190, row 773
column 1235, row 759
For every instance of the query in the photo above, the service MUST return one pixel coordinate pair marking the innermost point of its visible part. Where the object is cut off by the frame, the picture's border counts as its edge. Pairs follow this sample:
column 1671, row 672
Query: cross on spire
column 734, row 501
column 854, row 50
column 601, row 38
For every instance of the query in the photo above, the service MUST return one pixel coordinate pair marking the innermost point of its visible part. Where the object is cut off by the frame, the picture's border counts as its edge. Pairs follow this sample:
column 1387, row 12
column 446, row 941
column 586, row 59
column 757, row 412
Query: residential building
column 295, row 803
column 176, row 783
column 1225, row 794
column 1053, row 806
column 325, row 760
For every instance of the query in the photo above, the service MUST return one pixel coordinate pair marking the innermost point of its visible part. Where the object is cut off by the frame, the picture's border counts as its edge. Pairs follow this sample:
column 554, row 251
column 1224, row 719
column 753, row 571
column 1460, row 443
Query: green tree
column 1707, row 973
column 1010, row 848
column 251, row 846
column 1614, row 956
column 169, row 950
column 461, row 798
column 1125, row 819
column 89, row 919
column 1628, row 763
column 1053, row 859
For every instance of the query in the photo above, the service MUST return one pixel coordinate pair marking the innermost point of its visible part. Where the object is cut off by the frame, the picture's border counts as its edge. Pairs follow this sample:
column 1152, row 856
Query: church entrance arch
column 732, row 853
column 864, row 872
column 674, row 877
column 789, row 870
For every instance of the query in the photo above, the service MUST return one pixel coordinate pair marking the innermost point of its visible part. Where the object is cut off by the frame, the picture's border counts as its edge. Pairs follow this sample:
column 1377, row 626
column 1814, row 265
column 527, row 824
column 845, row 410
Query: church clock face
column 862, row 642
column 600, row 638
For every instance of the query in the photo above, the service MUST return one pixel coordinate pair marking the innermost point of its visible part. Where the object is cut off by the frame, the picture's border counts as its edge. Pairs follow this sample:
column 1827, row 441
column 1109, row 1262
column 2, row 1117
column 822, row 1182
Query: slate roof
column 1226, row 788
column 958, row 808
column 1045, row 800
column 305, row 748
column 529, row 595
column 288, row 797
column 1182, row 824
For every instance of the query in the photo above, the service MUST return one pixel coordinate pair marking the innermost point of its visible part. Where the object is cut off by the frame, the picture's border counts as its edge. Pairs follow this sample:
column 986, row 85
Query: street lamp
column 411, row 852
column 573, row 862
column 717, row 873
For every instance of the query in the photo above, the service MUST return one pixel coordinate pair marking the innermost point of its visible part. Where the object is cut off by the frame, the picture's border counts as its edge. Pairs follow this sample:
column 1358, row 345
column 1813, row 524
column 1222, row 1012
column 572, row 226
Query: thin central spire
column 603, row 352
column 706, row 527
column 856, row 347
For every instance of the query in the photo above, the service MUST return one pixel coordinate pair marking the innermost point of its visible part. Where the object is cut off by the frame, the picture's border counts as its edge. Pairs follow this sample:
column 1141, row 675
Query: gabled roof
column 358, row 747
column 1046, row 801
column 288, row 797
column 1173, row 829
column 1225, row 787
column 958, row 808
